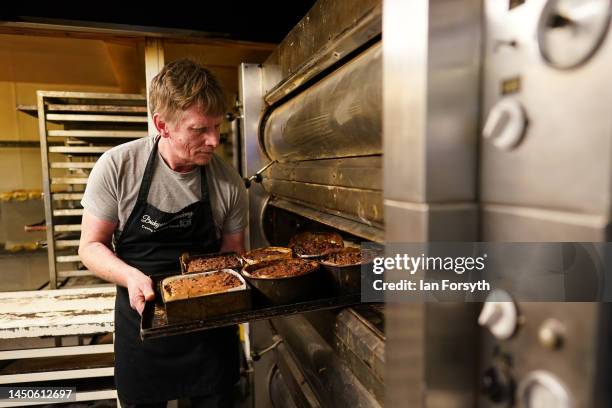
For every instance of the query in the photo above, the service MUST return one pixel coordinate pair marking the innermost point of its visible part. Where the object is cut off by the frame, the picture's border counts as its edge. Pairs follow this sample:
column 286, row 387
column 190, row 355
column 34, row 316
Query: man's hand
column 140, row 288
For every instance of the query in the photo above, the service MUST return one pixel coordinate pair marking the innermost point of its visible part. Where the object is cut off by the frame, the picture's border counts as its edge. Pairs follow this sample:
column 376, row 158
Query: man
column 150, row 200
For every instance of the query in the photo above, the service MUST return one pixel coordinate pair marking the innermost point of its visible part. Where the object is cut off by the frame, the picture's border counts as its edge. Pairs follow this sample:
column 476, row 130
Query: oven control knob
column 499, row 314
column 541, row 389
column 506, row 123
column 497, row 385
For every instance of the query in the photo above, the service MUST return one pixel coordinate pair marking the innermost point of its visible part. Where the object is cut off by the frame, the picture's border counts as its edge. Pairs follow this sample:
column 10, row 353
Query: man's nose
column 212, row 140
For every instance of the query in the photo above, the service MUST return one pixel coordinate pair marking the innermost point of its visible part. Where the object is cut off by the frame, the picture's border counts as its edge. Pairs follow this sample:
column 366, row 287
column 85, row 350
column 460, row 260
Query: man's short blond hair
column 181, row 84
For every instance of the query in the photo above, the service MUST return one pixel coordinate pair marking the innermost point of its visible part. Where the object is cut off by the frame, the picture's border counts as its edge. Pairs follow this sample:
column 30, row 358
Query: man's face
column 194, row 136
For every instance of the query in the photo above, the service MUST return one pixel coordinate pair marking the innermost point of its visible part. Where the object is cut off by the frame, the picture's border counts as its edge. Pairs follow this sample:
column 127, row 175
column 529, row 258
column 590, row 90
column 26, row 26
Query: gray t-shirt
column 112, row 188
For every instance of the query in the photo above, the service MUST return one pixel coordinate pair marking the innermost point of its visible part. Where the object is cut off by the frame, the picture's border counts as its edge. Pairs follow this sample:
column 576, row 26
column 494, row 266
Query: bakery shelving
column 75, row 129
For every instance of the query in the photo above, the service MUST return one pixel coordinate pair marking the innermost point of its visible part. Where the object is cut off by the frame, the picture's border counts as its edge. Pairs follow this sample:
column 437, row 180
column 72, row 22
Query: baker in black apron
column 204, row 364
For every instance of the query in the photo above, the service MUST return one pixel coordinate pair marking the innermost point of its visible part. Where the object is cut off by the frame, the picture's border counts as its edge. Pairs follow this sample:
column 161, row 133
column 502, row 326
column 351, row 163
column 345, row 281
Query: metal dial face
column 570, row 31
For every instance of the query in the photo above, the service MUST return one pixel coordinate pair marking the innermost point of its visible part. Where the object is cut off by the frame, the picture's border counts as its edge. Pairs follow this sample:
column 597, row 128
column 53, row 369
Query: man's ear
column 161, row 125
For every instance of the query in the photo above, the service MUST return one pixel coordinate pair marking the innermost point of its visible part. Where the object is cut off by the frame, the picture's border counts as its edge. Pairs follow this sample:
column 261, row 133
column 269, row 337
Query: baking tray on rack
column 154, row 323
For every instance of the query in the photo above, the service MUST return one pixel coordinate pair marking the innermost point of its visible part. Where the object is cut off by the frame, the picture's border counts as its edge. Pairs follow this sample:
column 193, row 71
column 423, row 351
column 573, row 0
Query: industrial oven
column 489, row 120
column 313, row 109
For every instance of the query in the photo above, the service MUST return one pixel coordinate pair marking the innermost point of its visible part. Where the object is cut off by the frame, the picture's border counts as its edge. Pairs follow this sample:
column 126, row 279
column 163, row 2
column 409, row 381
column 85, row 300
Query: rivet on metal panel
column 551, row 334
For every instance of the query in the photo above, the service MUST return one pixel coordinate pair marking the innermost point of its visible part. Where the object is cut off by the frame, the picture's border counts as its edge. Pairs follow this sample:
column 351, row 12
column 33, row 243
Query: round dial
column 570, row 31
column 541, row 389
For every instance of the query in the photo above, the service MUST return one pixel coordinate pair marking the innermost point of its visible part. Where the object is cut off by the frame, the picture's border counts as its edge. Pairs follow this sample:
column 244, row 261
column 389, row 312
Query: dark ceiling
column 237, row 20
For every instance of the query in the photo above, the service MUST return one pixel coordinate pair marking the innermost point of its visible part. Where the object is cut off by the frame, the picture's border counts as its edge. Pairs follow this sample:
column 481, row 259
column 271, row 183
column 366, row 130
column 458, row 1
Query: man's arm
column 96, row 255
column 233, row 242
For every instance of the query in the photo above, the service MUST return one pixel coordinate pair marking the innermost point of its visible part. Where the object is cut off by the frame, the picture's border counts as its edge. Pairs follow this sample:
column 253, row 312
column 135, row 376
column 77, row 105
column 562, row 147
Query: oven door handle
column 257, row 178
column 256, row 355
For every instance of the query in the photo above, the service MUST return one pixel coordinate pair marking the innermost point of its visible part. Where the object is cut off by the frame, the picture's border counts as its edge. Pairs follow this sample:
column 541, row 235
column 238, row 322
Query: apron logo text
column 182, row 220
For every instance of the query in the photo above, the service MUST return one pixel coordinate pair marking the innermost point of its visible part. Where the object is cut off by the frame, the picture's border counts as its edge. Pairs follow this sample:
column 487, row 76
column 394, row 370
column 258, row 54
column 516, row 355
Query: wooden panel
column 91, row 108
column 67, row 196
column 60, row 117
column 67, row 243
column 154, row 62
column 57, row 312
column 71, row 274
column 66, row 228
column 79, row 149
column 57, row 375
column 68, row 258
column 68, row 212
column 127, row 134
column 68, row 180
column 80, row 396
column 72, row 165
column 92, row 95
column 56, row 351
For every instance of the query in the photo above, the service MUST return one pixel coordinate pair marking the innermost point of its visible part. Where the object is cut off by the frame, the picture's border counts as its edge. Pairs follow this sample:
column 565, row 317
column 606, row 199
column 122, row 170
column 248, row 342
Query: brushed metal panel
column 577, row 364
column 328, row 376
column 359, row 229
column 521, row 224
column 362, row 205
column 356, row 172
column 329, row 27
column 564, row 160
column 431, row 62
column 406, row 222
column 339, row 116
column 250, row 94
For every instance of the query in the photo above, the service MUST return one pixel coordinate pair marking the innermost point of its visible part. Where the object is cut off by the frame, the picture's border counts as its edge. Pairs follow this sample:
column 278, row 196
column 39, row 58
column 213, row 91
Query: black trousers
column 223, row 400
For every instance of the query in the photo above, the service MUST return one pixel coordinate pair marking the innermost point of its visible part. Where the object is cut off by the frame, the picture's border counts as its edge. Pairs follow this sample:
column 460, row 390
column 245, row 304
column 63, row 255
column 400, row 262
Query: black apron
column 179, row 366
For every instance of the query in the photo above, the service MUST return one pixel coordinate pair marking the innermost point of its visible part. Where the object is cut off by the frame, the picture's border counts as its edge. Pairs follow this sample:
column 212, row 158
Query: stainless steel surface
column 280, row 394
column 563, row 163
column 360, row 205
column 405, row 359
column 413, row 222
column 431, row 54
column 261, row 336
column 362, row 349
column 371, row 233
column 553, row 186
column 518, row 224
column 331, row 380
column 353, row 172
column 431, row 59
column 250, row 95
column 579, row 364
column 330, row 31
column 339, row 116
column 294, row 379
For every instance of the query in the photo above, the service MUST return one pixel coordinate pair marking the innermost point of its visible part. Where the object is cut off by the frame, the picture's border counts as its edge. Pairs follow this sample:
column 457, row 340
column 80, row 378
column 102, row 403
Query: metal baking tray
column 297, row 240
column 154, row 323
column 289, row 289
column 202, row 307
column 281, row 253
column 346, row 278
column 188, row 256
